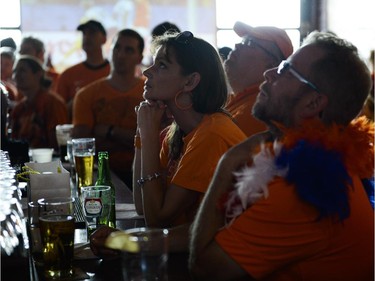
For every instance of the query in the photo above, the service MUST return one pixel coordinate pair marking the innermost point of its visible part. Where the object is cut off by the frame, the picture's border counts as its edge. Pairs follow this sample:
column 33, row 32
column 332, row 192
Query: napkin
column 52, row 180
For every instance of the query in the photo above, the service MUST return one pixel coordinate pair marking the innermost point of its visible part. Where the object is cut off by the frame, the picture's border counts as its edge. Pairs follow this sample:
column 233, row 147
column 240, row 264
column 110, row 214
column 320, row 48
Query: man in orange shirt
column 93, row 68
column 261, row 48
column 298, row 209
column 105, row 108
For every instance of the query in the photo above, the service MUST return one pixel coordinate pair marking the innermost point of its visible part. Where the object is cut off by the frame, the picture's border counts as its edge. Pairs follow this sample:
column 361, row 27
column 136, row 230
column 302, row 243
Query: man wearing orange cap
column 261, row 48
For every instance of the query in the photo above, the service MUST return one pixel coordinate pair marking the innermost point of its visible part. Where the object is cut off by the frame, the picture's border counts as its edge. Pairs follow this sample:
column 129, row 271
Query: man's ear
column 192, row 81
column 314, row 105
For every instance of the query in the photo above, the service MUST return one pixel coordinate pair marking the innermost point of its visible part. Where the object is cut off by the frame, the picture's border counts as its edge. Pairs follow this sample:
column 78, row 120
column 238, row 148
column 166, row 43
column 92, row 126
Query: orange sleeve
column 203, row 150
column 198, row 163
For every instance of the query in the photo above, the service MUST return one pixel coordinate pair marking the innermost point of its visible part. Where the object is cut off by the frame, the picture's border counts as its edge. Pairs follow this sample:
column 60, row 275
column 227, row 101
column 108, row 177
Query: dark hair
column 8, row 42
column 195, row 55
column 36, row 66
column 341, row 75
column 37, row 44
column 163, row 27
column 133, row 34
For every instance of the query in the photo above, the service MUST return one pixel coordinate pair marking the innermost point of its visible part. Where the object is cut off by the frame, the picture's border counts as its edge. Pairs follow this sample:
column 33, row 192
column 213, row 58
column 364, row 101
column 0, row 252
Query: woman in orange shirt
column 35, row 117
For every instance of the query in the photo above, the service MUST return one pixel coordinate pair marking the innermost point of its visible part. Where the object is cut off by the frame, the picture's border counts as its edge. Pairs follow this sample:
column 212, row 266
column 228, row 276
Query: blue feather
column 368, row 185
column 320, row 177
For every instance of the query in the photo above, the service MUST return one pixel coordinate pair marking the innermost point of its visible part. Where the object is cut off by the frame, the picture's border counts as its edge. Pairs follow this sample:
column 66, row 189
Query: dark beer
column 57, row 234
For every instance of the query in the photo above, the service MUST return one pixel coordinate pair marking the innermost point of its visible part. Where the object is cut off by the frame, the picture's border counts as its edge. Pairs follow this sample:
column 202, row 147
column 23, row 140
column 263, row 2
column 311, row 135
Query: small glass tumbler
column 96, row 205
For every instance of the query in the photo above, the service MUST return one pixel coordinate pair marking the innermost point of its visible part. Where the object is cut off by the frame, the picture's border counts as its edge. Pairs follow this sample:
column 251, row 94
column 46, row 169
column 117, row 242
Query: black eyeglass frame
column 286, row 65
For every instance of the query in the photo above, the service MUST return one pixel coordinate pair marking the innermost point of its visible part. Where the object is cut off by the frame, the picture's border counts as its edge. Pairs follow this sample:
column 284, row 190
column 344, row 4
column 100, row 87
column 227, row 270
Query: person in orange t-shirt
column 94, row 67
column 35, row 117
column 262, row 47
column 291, row 203
column 105, row 108
column 187, row 79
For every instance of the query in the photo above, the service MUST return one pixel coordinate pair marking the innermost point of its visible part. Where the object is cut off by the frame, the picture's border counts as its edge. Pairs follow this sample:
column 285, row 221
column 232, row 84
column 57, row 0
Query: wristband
column 137, row 142
column 142, row 181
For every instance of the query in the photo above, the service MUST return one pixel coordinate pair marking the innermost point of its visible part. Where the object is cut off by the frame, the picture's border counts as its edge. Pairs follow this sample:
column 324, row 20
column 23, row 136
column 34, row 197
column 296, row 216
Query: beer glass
column 96, row 205
column 151, row 261
column 57, row 224
column 63, row 134
column 83, row 152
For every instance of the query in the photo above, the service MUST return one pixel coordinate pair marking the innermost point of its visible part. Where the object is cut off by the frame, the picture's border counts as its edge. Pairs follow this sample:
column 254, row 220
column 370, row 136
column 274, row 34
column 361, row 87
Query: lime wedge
column 120, row 240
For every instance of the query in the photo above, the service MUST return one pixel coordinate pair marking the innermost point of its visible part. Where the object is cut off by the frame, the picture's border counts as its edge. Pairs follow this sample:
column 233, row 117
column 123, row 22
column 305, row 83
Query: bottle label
column 93, row 206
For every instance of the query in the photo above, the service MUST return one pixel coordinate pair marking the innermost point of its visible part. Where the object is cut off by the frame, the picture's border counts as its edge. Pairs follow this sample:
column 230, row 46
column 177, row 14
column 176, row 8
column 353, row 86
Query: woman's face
column 164, row 78
column 24, row 76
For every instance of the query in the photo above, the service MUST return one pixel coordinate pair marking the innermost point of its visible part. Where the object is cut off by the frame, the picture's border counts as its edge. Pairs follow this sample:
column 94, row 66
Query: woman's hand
column 149, row 116
column 97, row 240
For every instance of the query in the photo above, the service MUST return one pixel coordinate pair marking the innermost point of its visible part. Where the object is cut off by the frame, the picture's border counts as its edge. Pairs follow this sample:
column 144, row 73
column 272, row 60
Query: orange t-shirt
column 78, row 76
column 36, row 122
column 240, row 106
column 99, row 103
column 202, row 150
column 279, row 238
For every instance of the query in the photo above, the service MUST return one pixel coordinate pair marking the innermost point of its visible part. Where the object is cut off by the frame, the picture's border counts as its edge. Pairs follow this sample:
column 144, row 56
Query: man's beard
column 259, row 111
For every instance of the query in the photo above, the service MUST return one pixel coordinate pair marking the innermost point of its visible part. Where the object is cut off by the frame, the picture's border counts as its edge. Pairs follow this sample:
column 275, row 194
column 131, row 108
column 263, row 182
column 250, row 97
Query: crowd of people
column 259, row 162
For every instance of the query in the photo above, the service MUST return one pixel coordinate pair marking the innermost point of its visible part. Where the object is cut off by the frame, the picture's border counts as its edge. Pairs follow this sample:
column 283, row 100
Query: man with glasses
column 290, row 203
column 261, row 48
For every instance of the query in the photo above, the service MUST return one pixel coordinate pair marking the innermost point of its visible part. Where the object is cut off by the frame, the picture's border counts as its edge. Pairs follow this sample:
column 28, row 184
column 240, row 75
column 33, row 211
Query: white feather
column 252, row 181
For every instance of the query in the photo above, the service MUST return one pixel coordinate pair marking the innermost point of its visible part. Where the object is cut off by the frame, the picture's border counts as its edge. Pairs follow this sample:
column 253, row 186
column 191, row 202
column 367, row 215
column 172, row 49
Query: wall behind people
column 58, row 19
column 362, row 32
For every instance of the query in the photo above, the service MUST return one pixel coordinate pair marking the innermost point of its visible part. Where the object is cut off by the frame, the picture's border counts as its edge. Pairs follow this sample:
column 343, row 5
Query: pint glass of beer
column 57, row 224
column 83, row 153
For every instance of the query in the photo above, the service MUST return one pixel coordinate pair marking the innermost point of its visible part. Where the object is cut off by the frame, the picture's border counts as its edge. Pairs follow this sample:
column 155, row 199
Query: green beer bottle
column 104, row 178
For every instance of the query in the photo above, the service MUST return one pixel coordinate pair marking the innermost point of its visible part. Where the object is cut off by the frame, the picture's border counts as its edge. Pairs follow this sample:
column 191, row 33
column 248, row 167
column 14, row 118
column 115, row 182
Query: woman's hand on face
column 149, row 115
column 97, row 240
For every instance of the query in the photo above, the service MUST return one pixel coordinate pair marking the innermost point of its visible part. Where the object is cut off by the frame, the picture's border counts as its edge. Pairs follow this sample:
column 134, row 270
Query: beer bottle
column 104, row 178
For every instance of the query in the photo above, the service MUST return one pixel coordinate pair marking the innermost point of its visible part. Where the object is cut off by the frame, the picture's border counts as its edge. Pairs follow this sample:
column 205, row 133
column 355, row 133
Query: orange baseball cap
column 268, row 33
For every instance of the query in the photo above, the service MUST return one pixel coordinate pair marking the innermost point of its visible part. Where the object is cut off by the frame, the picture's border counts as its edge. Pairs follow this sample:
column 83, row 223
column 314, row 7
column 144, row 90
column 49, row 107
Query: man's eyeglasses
column 184, row 37
column 286, row 65
column 250, row 42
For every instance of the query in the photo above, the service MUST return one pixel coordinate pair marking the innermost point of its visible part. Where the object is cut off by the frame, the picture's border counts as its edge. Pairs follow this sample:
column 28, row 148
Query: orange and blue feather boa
column 317, row 160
